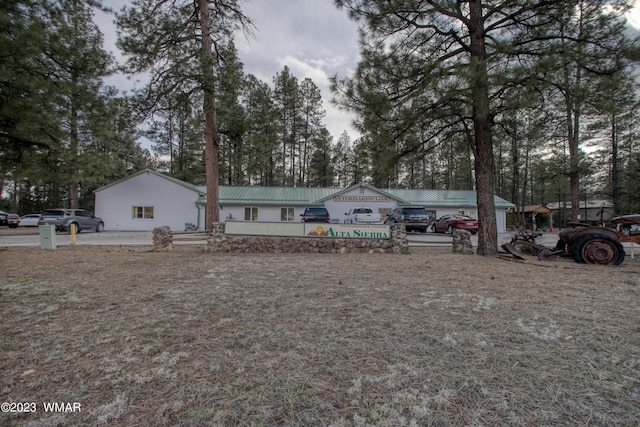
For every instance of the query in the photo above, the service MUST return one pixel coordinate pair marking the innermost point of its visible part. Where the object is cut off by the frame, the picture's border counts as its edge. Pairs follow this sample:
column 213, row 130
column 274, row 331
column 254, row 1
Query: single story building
column 588, row 211
column 150, row 199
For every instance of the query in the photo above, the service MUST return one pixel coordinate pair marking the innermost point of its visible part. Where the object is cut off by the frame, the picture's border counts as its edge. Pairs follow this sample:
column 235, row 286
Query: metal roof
column 252, row 195
column 273, row 196
column 301, row 196
column 443, row 198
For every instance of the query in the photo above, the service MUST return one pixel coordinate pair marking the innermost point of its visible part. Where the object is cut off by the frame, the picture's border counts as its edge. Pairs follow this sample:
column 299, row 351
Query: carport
column 529, row 213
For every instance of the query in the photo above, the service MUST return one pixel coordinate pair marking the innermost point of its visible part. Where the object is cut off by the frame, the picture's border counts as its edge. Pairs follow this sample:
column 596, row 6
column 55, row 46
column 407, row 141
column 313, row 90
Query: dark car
column 63, row 218
column 414, row 218
column 10, row 219
column 448, row 223
column 315, row 215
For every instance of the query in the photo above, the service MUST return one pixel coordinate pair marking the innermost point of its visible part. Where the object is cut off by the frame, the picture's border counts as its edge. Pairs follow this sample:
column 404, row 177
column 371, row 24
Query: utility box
column 47, row 236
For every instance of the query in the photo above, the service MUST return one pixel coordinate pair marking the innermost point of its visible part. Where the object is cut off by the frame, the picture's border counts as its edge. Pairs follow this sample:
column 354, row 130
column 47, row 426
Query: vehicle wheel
column 77, row 228
column 597, row 248
column 100, row 227
column 450, row 229
column 561, row 246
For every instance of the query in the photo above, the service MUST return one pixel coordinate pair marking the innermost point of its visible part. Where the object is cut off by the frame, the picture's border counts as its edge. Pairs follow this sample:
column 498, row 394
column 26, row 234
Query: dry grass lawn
column 185, row 338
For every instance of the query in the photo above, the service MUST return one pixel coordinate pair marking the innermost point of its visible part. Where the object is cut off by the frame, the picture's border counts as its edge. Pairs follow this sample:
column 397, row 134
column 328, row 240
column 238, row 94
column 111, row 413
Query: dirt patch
column 431, row 338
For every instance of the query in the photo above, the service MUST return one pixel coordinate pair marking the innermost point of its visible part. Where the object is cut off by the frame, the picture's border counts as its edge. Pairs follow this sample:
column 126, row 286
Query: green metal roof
column 302, row 196
column 273, row 196
column 443, row 198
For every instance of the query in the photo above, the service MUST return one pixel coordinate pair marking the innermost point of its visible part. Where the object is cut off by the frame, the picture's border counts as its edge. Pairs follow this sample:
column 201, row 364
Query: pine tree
column 78, row 63
column 288, row 105
column 52, row 77
column 232, row 122
column 260, row 140
column 320, row 169
column 183, row 39
column 443, row 66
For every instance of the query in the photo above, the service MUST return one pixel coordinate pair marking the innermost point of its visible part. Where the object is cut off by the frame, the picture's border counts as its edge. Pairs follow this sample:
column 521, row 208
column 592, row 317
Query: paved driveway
column 28, row 236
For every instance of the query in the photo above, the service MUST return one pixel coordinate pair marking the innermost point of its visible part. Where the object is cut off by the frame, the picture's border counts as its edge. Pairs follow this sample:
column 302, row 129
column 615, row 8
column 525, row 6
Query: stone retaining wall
column 220, row 242
column 162, row 239
column 462, row 242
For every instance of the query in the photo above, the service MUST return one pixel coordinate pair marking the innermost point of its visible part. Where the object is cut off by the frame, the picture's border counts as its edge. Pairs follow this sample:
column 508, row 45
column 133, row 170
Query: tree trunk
column 212, row 208
column 574, row 173
column 615, row 188
column 574, row 108
column 483, row 144
column 74, row 185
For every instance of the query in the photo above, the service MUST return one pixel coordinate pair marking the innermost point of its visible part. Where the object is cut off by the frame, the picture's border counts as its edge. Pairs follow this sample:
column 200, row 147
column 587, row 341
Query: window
column 286, row 214
column 251, row 213
column 143, row 212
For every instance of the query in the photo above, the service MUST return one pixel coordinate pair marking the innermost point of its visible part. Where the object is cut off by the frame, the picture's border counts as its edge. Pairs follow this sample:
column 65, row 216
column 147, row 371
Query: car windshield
column 414, row 211
column 320, row 211
column 53, row 213
column 465, row 217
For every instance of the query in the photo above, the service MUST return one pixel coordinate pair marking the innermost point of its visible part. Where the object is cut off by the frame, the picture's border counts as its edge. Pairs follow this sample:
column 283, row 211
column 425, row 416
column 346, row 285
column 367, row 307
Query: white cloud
column 302, row 69
column 633, row 16
column 312, row 37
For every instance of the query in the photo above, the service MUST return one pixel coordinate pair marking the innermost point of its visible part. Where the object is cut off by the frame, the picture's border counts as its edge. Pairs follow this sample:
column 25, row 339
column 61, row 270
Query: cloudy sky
column 312, row 37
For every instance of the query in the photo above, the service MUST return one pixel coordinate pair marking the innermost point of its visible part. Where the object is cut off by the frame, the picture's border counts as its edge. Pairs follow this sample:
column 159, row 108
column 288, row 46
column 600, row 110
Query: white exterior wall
column 265, row 213
column 501, row 220
column 173, row 204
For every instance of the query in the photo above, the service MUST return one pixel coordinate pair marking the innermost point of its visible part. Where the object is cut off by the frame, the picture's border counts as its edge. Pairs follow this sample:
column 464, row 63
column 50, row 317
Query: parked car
column 315, row 215
column 63, row 218
column 29, row 220
column 10, row 219
column 362, row 215
column 413, row 217
column 447, row 223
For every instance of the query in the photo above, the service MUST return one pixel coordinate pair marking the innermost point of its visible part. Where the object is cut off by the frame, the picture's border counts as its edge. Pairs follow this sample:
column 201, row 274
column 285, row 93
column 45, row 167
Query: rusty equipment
column 525, row 242
column 585, row 243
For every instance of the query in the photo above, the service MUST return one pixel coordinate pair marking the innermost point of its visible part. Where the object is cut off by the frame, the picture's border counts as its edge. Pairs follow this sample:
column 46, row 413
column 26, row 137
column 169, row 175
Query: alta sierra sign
column 347, row 231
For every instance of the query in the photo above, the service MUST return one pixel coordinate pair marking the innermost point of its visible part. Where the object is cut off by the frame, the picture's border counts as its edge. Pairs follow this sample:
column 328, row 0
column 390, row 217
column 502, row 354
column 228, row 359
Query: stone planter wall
column 220, row 242
column 462, row 242
column 162, row 239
